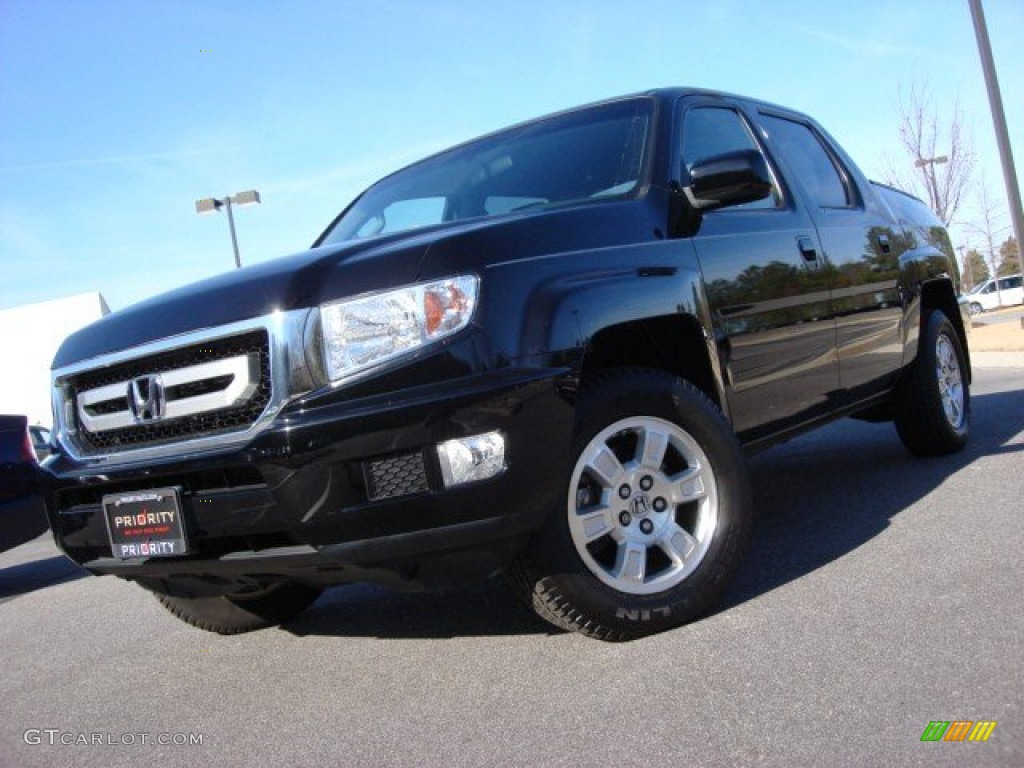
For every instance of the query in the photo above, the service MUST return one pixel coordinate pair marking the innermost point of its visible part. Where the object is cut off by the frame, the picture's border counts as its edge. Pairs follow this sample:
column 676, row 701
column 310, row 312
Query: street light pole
column 231, row 226
column 995, row 100
column 927, row 166
column 211, row 204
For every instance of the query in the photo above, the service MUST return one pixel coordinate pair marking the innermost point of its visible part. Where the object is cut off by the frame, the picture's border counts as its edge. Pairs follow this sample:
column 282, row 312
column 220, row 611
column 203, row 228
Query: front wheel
column 974, row 308
column 656, row 511
column 273, row 604
column 933, row 403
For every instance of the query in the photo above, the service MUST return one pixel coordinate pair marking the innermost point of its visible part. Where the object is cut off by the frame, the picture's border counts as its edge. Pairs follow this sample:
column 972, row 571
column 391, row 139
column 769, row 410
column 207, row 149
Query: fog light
column 470, row 459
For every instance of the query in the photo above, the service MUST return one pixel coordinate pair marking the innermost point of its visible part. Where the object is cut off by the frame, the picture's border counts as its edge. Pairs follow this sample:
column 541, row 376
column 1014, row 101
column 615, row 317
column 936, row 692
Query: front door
column 767, row 286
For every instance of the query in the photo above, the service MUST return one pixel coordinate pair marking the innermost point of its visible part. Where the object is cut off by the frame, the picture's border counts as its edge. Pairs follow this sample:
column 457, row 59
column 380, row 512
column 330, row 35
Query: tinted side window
column 711, row 131
column 803, row 151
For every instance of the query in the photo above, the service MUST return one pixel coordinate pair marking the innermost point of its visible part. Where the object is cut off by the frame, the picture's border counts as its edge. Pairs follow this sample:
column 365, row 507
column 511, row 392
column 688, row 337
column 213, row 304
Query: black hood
column 287, row 283
column 336, row 271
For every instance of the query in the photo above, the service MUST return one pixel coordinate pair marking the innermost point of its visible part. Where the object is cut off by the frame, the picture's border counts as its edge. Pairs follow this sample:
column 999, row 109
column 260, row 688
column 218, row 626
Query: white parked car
column 984, row 297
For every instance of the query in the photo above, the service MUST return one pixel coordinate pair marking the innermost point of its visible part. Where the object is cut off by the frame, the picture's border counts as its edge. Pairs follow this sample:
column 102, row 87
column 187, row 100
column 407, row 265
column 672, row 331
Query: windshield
column 586, row 155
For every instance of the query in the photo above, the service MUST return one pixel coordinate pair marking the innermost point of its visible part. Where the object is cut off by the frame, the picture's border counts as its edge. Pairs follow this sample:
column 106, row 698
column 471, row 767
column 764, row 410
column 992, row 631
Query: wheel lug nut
column 646, row 526
column 646, row 482
column 660, row 504
column 624, row 491
column 625, row 518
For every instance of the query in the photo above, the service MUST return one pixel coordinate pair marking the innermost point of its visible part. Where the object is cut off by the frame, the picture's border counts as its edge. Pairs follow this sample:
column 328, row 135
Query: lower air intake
column 395, row 476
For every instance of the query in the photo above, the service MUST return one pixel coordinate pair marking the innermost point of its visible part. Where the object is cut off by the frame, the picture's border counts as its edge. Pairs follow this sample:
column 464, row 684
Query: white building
column 29, row 338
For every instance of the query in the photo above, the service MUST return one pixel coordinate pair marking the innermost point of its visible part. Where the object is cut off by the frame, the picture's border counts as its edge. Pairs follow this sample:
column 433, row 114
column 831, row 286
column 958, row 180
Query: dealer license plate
column 145, row 524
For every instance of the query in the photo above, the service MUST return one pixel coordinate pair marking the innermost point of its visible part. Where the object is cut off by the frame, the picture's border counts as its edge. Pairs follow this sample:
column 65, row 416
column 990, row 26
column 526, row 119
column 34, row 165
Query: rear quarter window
column 812, row 164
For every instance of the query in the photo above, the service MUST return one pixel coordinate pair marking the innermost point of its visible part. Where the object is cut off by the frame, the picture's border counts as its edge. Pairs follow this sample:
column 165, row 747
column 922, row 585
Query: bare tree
column 990, row 229
column 940, row 151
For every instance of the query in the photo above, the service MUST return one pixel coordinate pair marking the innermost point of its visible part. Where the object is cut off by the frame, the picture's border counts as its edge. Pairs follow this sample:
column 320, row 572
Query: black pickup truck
column 543, row 351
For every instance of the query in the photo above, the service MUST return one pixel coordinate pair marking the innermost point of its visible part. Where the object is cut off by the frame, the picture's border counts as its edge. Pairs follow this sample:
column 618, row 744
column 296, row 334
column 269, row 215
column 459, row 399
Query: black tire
column 616, row 584
column 975, row 308
column 933, row 401
column 234, row 614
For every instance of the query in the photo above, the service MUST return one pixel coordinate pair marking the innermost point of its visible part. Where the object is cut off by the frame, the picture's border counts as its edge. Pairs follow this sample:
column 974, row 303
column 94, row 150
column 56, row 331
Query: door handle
column 807, row 249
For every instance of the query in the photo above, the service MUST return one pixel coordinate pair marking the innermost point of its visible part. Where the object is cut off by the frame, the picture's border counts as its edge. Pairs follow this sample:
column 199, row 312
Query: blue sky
column 116, row 116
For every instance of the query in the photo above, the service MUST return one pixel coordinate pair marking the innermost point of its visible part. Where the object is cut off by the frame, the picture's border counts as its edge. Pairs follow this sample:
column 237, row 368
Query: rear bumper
column 299, row 501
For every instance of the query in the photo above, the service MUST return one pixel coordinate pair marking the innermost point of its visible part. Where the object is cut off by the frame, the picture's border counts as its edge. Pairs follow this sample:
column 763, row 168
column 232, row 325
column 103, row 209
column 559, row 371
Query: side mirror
column 731, row 179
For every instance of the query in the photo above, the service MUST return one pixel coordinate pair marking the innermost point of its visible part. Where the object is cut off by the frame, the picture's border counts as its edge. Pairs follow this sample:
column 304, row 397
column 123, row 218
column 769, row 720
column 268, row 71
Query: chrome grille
column 206, row 389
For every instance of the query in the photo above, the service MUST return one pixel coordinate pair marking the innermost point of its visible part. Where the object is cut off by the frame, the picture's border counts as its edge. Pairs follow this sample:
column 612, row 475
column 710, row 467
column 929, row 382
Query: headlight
column 367, row 331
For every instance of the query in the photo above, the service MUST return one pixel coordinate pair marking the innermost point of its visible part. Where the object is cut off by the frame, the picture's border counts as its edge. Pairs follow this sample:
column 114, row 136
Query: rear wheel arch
column 932, row 400
column 939, row 295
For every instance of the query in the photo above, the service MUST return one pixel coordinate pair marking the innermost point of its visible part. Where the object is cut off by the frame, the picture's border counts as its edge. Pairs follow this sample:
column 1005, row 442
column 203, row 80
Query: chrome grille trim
column 290, row 377
column 242, row 371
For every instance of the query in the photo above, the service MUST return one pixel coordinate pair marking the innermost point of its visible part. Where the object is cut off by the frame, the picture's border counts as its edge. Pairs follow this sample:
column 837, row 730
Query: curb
column 983, row 359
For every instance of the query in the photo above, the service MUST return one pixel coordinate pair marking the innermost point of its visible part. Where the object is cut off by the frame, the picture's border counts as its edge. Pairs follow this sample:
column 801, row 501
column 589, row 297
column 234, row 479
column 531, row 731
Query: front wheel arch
column 675, row 344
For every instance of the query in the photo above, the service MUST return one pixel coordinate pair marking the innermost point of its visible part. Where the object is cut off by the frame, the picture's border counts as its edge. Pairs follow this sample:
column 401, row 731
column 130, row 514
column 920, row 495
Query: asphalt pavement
column 881, row 593
column 1002, row 315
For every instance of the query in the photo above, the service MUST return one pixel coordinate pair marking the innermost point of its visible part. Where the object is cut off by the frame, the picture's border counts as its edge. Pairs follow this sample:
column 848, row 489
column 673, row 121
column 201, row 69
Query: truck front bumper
column 342, row 491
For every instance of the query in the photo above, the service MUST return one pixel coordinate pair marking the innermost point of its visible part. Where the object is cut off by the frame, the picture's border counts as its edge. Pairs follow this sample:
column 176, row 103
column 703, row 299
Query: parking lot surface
column 881, row 593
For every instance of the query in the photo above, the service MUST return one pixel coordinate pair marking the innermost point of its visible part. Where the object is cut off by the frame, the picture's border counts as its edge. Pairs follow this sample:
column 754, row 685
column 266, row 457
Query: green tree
column 975, row 268
column 1009, row 258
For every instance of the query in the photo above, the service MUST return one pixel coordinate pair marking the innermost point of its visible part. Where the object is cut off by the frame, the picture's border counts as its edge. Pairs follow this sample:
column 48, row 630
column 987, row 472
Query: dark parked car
column 22, row 517
column 40, row 441
column 544, row 351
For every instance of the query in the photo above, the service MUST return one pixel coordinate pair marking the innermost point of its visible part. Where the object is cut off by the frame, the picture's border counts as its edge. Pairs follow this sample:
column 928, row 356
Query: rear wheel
column 933, row 409
column 274, row 604
column 655, row 515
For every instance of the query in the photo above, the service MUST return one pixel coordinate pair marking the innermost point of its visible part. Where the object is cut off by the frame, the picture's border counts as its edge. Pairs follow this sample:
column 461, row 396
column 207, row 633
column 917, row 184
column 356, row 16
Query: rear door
column 861, row 246
column 766, row 286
